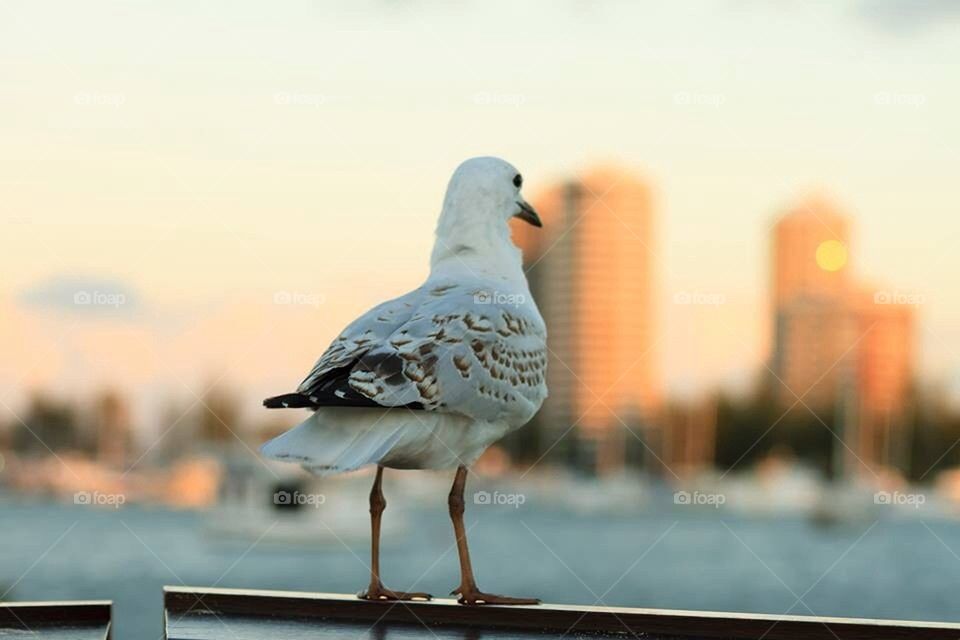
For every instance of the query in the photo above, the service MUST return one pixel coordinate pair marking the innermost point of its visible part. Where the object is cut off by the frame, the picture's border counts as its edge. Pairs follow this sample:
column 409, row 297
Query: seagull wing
column 461, row 351
column 448, row 347
column 327, row 384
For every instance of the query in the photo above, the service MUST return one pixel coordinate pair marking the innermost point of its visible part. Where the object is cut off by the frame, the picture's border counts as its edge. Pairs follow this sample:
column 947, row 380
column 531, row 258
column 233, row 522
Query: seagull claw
column 379, row 592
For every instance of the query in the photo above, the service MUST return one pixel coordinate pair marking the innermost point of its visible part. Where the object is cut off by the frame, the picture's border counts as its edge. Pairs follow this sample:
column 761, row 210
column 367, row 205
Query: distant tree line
column 750, row 428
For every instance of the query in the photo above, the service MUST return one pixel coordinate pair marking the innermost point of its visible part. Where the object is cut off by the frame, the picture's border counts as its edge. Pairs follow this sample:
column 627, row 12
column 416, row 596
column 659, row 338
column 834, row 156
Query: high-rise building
column 591, row 272
column 814, row 327
column 836, row 344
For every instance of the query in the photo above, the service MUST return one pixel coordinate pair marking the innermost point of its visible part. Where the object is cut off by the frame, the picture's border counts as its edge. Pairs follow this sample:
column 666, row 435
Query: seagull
column 429, row 380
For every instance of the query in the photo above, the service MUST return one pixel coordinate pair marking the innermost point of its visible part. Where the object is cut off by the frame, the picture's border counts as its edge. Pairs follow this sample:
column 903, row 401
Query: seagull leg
column 468, row 591
column 376, row 590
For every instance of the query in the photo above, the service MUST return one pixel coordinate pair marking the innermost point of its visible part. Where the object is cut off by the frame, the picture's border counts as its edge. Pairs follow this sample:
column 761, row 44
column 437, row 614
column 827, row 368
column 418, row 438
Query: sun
column 831, row 255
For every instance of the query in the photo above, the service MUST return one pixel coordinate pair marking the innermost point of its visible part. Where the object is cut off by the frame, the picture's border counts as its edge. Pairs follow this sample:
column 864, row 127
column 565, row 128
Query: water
column 657, row 557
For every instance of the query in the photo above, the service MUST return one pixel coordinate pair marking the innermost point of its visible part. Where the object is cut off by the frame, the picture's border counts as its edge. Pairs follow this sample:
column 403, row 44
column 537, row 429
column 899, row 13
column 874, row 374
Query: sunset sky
column 201, row 162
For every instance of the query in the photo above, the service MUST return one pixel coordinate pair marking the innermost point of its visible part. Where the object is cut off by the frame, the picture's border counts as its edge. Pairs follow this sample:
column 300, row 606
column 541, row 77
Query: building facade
column 839, row 347
column 591, row 270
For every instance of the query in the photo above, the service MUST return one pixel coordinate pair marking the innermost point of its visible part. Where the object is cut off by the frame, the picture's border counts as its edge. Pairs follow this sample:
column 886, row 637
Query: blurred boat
column 276, row 505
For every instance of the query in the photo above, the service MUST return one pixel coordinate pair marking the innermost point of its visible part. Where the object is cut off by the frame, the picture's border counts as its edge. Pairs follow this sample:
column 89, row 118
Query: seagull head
column 482, row 196
column 485, row 191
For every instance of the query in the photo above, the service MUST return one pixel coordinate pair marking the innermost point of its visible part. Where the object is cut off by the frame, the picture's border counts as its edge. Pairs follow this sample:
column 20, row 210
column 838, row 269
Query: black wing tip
column 300, row 401
column 288, row 401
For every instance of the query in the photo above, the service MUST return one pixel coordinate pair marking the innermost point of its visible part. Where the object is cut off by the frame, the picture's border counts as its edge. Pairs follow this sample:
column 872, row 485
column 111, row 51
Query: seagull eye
column 518, row 181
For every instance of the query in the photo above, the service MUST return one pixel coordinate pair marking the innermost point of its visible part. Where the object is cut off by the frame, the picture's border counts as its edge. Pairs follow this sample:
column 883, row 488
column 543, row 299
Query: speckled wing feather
column 464, row 350
column 449, row 347
column 327, row 384
column 444, row 347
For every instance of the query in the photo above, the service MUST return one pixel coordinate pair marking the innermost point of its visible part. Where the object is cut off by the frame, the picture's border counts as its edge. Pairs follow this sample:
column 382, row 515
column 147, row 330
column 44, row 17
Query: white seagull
column 429, row 380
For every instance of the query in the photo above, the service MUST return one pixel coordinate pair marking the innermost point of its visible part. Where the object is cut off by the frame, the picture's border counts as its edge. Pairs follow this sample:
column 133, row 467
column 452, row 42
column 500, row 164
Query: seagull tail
column 288, row 401
column 336, row 440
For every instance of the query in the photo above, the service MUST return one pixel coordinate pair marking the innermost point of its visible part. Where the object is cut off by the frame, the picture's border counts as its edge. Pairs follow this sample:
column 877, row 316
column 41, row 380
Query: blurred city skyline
column 201, row 201
column 747, row 269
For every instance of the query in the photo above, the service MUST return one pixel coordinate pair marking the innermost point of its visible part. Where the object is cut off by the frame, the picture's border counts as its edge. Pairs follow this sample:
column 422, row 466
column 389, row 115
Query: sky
column 233, row 182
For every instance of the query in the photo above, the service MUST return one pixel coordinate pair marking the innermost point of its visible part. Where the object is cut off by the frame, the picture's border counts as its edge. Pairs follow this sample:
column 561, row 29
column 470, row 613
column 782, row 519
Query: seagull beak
column 527, row 214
